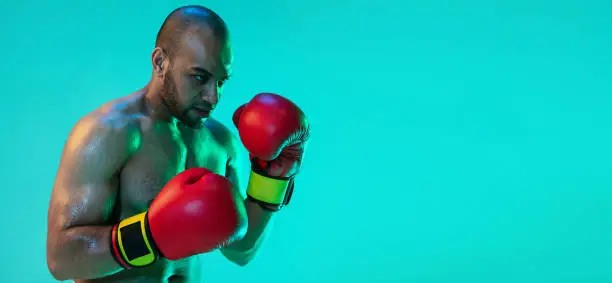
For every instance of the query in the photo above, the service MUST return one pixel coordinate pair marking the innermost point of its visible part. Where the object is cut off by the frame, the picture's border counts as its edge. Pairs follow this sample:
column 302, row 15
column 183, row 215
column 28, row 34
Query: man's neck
column 155, row 106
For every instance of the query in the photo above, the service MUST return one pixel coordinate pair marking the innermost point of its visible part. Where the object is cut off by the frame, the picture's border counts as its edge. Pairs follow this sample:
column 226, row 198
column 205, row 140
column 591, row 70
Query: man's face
column 193, row 82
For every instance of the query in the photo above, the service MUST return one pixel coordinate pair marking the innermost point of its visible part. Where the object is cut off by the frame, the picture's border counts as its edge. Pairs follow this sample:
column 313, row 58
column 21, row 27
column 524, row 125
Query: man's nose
column 211, row 93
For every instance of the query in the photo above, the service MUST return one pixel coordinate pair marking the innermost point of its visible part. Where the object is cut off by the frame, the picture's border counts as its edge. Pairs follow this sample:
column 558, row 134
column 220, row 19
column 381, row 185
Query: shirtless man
column 148, row 182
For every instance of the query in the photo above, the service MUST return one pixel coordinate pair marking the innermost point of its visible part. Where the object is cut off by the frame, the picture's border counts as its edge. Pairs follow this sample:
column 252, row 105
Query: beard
column 170, row 98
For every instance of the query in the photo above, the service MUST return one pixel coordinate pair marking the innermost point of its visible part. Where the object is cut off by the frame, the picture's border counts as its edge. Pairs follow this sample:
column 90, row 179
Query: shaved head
column 185, row 20
column 191, row 61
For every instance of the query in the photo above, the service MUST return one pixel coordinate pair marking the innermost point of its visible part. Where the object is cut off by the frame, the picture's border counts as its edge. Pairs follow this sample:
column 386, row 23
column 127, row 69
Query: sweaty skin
column 116, row 161
column 118, row 157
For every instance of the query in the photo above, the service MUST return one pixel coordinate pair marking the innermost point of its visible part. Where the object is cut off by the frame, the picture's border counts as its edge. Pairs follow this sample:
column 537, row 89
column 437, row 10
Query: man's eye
column 201, row 78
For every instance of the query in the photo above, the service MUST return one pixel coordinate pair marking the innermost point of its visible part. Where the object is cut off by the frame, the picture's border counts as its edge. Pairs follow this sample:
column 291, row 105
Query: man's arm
column 243, row 251
column 83, row 197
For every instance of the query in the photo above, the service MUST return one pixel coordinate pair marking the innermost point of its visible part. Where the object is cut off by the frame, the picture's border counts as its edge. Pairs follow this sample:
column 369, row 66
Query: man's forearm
column 243, row 250
column 82, row 253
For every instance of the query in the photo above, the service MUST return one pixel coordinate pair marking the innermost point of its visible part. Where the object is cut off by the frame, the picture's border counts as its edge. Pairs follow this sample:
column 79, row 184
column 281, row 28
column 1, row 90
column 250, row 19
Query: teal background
column 453, row 141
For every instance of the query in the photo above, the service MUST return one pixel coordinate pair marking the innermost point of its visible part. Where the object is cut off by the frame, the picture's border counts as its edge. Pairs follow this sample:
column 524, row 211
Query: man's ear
column 159, row 61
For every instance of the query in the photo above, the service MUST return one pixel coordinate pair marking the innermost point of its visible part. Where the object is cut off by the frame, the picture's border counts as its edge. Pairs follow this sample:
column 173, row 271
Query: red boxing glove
column 274, row 131
column 196, row 212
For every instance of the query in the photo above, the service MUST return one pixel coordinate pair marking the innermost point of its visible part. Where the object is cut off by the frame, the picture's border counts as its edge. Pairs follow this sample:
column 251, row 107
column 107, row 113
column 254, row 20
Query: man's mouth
column 202, row 111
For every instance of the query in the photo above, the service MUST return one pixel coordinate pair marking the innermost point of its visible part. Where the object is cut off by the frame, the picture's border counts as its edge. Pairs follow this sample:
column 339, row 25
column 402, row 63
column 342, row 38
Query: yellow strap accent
column 266, row 189
column 145, row 259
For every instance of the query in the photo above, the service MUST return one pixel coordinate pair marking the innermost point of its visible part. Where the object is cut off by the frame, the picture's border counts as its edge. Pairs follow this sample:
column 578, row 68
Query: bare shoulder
column 224, row 136
column 112, row 123
column 107, row 134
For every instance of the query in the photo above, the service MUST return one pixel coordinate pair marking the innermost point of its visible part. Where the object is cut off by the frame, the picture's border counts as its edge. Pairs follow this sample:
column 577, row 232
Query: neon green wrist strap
column 267, row 190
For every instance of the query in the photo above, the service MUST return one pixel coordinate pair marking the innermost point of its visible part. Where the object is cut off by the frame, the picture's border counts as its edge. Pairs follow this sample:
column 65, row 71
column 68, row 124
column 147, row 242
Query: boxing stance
column 148, row 183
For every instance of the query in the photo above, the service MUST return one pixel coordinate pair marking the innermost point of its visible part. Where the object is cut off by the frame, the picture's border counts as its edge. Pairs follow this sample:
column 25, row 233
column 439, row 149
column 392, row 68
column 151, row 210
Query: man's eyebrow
column 201, row 70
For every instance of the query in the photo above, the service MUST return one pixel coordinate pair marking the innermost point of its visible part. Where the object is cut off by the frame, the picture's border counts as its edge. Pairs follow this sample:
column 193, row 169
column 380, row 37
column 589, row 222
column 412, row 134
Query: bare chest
column 162, row 155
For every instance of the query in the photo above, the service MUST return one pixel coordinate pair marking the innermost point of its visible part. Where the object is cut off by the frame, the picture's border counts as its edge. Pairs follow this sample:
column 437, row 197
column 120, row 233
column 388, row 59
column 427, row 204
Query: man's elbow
column 238, row 258
column 59, row 266
column 56, row 271
column 58, row 275
column 242, row 261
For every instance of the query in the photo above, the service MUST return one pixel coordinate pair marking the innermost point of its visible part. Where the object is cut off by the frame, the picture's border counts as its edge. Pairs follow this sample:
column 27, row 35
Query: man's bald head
column 191, row 62
column 188, row 19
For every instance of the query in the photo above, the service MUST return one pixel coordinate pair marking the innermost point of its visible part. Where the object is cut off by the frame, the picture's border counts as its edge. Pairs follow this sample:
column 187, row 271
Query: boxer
column 148, row 182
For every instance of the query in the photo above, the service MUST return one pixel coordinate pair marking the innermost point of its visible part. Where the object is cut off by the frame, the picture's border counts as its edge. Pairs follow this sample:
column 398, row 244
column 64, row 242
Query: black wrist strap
column 264, row 205
column 132, row 244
